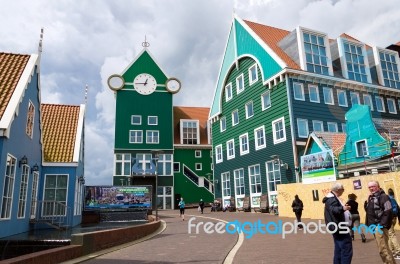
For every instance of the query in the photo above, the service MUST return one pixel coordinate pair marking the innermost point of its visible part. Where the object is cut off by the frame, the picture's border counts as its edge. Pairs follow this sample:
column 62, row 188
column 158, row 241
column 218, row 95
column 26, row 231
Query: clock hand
column 145, row 82
column 141, row 83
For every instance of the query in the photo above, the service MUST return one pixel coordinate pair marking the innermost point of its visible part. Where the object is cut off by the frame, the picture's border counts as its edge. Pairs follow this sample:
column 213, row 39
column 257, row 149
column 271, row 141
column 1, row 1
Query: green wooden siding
column 132, row 103
column 278, row 109
column 185, row 187
column 144, row 64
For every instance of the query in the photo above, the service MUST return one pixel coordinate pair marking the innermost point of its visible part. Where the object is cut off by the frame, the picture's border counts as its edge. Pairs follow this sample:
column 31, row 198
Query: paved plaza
column 175, row 245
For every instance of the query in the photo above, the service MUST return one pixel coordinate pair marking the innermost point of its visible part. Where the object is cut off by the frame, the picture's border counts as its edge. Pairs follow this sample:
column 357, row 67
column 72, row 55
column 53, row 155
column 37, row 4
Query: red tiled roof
column 191, row 113
column 11, row 69
column 59, row 127
column 334, row 140
column 271, row 36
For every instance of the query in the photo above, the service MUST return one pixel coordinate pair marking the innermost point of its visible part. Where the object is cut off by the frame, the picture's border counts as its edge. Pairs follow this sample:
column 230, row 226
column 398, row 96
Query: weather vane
column 145, row 44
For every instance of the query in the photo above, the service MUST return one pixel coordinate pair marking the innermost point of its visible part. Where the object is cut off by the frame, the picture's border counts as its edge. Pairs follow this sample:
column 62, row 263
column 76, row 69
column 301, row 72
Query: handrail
column 55, row 213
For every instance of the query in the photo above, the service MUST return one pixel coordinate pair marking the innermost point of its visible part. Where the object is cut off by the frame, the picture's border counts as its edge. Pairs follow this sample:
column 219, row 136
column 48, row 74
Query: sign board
column 117, row 197
column 318, row 167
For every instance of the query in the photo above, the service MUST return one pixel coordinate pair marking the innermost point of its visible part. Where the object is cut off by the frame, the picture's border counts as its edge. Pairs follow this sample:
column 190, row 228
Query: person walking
column 336, row 212
column 297, row 206
column 182, row 208
column 201, row 205
column 355, row 216
column 393, row 243
column 379, row 212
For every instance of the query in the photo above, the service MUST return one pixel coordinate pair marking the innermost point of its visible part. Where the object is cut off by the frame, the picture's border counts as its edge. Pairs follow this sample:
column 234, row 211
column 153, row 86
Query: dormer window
column 387, row 67
column 314, row 55
column 353, row 61
column 190, row 132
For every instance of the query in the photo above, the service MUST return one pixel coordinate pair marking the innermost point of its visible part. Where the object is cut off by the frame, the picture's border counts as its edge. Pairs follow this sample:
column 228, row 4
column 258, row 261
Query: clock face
column 145, row 84
column 115, row 82
column 173, row 85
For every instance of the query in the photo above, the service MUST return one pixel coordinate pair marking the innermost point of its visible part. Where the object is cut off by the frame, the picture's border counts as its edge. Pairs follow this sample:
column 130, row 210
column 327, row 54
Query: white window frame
column 235, row 113
column 370, row 104
column 136, row 123
column 327, row 91
column 226, row 184
column 244, row 151
column 300, row 96
column 275, row 132
column 343, row 61
column 318, row 122
column 247, row 107
column 222, row 124
column 379, row 70
column 302, row 122
column 228, row 92
column 366, row 148
column 273, row 176
column 240, row 83
column 251, row 69
column 218, row 154
column 152, row 124
column 135, row 137
column 302, row 52
column 23, row 191
column 124, row 163
column 240, row 187
column 255, row 180
column 264, row 104
column 30, row 119
column 259, row 145
column 338, row 92
column 391, row 102
column 335, row 125
column 380, row 99
column 8, row 188
column 154, row 135
column 313, row 89
column 352, row 94
column 165, row 165
column 197, row 138
column 197, row 153
column 230, row 149
column 53, row 211
column 198, row 166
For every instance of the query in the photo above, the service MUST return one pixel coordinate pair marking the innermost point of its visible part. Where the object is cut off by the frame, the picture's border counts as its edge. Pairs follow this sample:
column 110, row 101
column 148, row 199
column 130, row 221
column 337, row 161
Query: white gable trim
column 79, row 133
column 262, row 43
column 13, row 106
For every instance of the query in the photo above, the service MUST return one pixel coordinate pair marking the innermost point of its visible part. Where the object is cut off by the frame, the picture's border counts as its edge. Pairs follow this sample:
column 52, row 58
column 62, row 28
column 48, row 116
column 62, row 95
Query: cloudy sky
column 87, row 41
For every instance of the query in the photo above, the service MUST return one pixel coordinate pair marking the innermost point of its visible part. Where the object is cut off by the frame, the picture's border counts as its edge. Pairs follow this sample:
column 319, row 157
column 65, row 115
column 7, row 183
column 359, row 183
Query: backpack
column 395, row 206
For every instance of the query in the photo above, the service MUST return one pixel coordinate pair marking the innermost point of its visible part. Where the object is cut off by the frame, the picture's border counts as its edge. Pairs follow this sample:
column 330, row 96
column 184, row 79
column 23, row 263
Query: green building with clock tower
column 156, row 143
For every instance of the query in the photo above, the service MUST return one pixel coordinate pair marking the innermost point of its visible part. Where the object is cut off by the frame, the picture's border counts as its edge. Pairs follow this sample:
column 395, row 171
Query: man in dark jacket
column 379, row 211
column 335, row 213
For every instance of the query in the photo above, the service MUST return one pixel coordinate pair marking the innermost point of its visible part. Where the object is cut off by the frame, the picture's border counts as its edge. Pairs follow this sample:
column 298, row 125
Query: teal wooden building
column 157, row 143
column 275, row 87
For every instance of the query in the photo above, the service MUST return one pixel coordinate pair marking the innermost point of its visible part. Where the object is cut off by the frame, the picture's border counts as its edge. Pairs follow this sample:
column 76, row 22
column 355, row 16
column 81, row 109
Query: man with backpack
column 393, row 243
column 379, row 214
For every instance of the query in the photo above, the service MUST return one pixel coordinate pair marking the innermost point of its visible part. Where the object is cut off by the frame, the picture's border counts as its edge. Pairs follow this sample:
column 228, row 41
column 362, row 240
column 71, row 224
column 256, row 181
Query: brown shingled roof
column 11, row 69
column 191, row 113
column 60, row 124
column 271, row 36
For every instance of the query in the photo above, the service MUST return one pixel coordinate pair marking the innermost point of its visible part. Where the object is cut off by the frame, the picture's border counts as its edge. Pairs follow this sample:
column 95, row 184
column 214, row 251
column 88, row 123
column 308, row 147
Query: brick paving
column 176, row 245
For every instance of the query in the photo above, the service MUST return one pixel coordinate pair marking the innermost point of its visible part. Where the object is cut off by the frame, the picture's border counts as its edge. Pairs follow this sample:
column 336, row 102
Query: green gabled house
column 275, row 87
column 145, row 132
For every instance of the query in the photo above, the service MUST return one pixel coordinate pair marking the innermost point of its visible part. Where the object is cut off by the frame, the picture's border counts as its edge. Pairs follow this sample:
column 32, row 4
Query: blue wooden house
column 32, row 182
